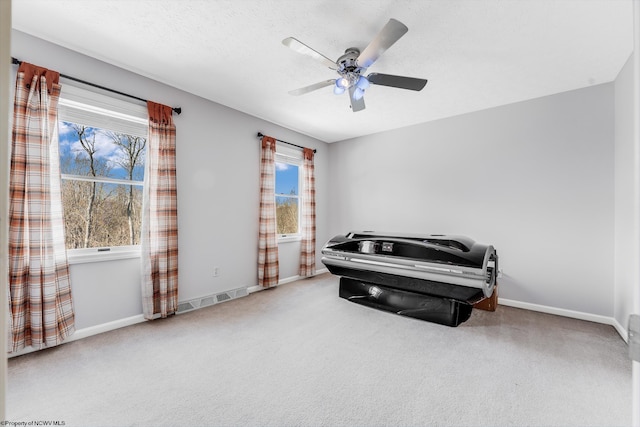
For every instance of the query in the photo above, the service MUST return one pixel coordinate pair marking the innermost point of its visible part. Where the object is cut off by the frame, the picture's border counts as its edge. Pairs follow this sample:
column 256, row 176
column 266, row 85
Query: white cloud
column 282, row 166
column 104, row 146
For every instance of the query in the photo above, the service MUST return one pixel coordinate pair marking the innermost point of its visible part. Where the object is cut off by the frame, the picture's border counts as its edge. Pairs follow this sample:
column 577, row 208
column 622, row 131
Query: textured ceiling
column 476, row 54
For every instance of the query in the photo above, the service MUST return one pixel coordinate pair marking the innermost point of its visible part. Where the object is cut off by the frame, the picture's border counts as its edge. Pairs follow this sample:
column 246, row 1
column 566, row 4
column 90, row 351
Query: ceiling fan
column 352, row 65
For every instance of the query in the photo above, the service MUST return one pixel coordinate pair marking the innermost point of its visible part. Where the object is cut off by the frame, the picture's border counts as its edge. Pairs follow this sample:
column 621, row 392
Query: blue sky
column 286, row 178
column 106, row 150
column 286, row 174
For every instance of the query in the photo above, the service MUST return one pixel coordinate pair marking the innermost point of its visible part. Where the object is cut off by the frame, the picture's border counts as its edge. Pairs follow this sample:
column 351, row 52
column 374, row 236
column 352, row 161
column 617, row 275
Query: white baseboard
column 567, row 313
column 109, row 326
column 257, row 288
column 90, row 331
column 621, row 330
column 129, row 321
column 121, row 323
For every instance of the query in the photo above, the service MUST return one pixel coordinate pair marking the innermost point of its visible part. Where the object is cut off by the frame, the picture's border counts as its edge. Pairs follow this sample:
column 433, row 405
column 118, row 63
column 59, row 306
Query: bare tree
column 132, row 148
column 102, row 213
column 287, row 214
column 89, row 147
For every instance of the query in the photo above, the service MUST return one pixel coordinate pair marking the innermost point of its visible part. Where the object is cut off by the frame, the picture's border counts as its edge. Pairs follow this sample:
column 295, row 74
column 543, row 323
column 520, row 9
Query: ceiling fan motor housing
column 348, row 65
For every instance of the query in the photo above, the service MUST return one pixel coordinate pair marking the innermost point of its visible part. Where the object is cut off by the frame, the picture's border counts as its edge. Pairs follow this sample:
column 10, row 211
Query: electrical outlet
column 216, row 271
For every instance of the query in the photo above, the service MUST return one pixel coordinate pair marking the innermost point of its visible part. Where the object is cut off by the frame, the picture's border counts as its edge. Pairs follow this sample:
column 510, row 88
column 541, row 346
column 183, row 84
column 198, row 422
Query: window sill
column 292, row 238
column 81, row 256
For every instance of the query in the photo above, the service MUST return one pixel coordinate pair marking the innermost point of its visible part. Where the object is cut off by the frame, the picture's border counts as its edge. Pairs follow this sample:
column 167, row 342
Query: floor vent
column 185, row 306
column 223, row 297
column 208, row 300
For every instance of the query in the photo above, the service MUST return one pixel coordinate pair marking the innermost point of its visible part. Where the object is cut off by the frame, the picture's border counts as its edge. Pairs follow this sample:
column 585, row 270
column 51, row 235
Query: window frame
column 90, row 108
column 289, row 155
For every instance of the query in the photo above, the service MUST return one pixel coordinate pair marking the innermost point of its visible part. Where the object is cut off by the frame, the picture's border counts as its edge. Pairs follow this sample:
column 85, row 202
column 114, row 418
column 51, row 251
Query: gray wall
column 626, row 192
column 535, row 179
column 218, row 158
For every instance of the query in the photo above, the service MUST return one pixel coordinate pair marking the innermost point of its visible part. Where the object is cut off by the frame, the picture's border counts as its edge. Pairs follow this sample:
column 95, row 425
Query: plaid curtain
column 308, row 216
column 268, row 273
column 159, row 234
column 40, row 303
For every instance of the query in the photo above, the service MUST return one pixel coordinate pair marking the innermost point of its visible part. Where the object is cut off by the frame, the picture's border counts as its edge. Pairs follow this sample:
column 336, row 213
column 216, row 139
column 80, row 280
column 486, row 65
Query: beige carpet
column 298, row 355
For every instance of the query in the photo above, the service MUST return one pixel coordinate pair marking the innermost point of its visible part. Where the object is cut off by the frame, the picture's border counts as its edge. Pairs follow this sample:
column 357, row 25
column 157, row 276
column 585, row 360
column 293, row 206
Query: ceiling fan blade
column 389, row 34
column 356, row 104
column 303, row 49
column 312, row 87
column 401, row 82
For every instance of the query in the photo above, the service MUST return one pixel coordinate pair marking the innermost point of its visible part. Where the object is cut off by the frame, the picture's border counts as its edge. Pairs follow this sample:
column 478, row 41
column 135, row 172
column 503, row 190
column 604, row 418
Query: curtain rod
column 178, row 110
column 260, row 135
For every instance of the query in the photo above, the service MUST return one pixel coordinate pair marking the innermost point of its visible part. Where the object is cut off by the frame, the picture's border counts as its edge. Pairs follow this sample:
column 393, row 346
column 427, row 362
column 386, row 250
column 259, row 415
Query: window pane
column 286, row 178
column 90, row 151
column 287, row 215
column 100, row 215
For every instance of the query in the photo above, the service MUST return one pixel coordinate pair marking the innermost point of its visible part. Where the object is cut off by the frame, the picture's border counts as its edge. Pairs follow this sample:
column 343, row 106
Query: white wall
column 535, row 179
column 626, row 190
column 218, row 158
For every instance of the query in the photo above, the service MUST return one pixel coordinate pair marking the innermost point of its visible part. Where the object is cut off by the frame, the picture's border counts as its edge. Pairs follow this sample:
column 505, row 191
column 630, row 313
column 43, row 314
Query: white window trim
column 97, row 110
column 287, row 238
column 84, row 255
column 287, row 154
column 101, row 179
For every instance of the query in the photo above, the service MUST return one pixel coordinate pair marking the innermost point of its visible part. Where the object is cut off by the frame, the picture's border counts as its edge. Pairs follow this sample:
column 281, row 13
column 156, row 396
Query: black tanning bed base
column 410, row 304
column 411, row 284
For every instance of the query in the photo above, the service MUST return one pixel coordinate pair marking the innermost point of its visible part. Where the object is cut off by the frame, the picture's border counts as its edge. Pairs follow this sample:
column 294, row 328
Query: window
column 288, row 164
column 102, row 147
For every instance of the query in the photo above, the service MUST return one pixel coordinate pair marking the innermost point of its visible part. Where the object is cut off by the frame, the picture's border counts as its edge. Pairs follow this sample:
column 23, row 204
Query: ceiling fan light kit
column 352, row 65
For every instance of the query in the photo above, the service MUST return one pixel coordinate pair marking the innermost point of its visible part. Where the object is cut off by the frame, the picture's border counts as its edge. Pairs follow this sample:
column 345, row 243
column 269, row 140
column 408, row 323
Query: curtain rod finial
column 260, row 135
